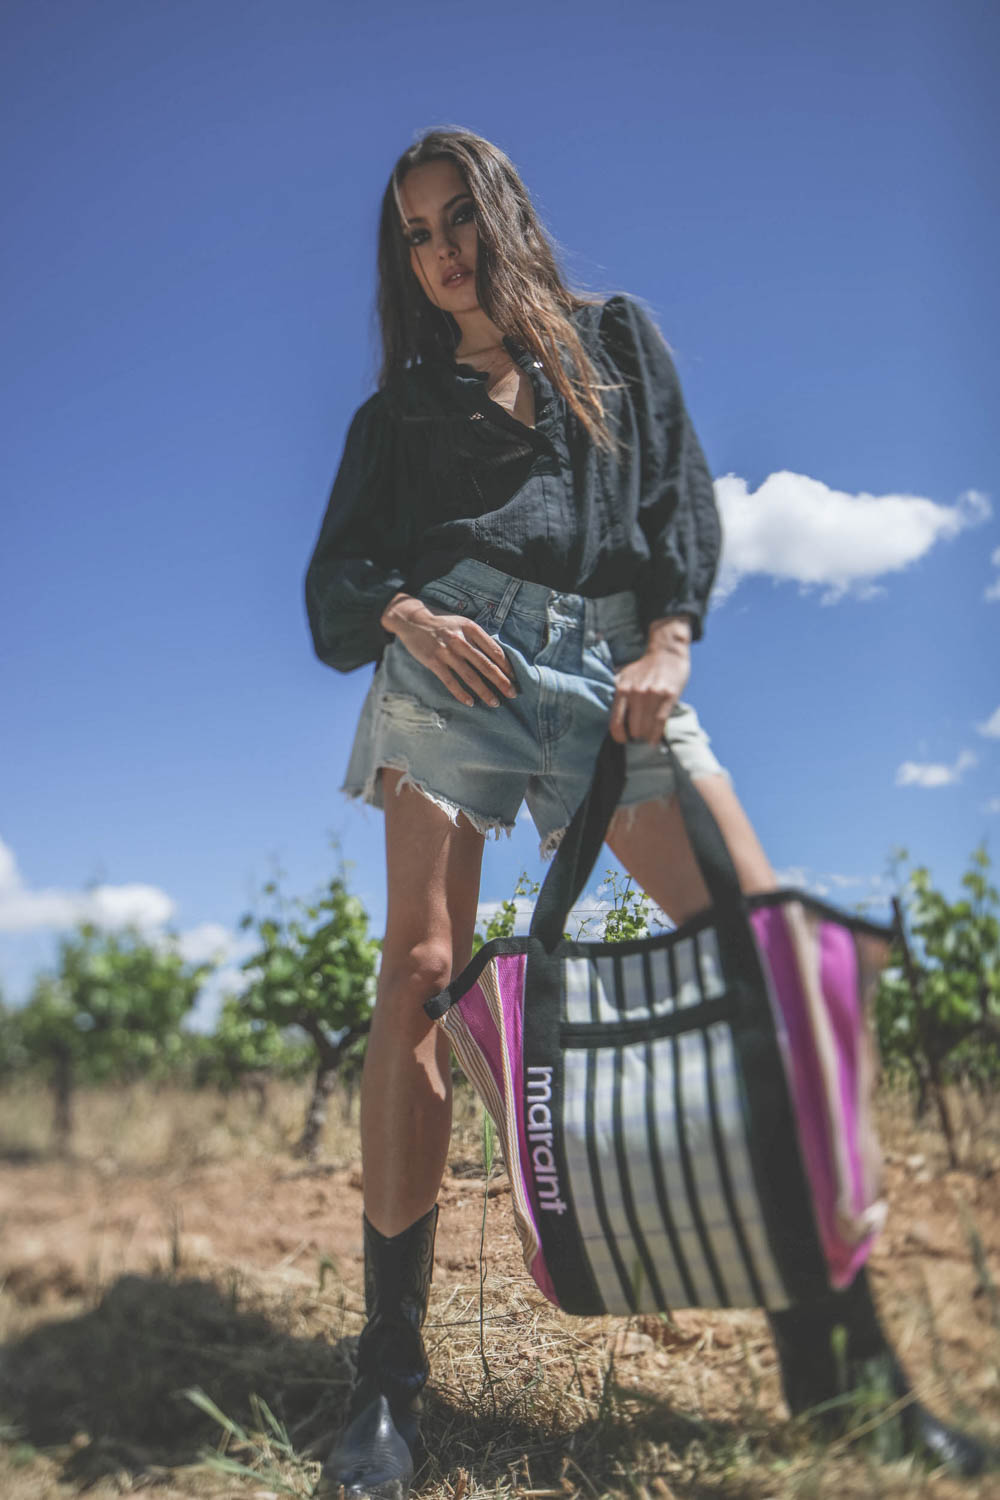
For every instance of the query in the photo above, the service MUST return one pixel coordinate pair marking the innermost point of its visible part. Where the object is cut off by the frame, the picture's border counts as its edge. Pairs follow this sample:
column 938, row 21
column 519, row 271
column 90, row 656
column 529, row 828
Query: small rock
column 196, row 1247
column 919, row 1234
column 628, row 1341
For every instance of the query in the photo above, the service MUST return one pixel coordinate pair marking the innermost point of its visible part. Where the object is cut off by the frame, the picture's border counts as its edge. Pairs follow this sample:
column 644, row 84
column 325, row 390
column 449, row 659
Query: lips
column 456, row 276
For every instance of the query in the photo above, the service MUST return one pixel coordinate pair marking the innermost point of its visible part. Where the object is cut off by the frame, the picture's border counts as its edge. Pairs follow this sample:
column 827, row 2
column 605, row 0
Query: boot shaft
column 398, row 1270
column 814, row 1368
column 392, row 1361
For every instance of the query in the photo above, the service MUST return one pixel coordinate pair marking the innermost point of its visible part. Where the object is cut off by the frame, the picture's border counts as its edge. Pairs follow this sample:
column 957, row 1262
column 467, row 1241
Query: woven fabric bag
column 686, row 1119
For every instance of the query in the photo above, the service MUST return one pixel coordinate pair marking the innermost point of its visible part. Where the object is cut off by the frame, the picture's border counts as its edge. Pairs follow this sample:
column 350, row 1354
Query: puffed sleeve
column 356, row 566
column 677, row 509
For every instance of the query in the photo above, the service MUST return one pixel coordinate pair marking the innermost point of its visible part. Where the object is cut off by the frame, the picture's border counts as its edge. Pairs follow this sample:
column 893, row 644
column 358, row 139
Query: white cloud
column 992, row 805
column 110, row 906
column 831, row 885
column 798, row 529
column 800, row 877
column 793, row 875
column 523, row 907
column 229, row 980
column 211, row 942
column 992, row 726
column 23, row 909
column 914, row 773
column 587, row 918
column 992, row 593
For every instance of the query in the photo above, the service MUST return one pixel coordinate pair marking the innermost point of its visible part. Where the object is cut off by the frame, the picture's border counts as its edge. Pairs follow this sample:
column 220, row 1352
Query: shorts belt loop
column 506, row 602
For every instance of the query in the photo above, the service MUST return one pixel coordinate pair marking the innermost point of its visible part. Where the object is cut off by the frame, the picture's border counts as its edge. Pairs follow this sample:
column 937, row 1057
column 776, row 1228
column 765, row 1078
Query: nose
column 446, row 246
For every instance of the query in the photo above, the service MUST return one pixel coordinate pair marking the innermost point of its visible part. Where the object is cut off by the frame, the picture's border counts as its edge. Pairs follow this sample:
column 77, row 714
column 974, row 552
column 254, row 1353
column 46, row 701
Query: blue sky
column 803, row 194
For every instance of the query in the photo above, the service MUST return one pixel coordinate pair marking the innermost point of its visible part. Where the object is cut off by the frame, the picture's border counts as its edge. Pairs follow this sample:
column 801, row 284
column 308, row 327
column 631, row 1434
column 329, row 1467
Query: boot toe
column 370, row 1462
column 946, row 1445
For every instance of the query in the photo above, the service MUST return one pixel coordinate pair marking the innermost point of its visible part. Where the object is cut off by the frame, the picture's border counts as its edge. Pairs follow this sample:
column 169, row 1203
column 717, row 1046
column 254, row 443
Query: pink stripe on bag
column 497, row 1047
column 843, row 1226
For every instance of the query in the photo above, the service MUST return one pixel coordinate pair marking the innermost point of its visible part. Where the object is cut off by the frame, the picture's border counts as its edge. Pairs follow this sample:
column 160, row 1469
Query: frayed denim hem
column 488, row 827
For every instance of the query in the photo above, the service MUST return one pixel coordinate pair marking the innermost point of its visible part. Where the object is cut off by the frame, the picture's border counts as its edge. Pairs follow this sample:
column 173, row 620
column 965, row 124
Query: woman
column 523, row 534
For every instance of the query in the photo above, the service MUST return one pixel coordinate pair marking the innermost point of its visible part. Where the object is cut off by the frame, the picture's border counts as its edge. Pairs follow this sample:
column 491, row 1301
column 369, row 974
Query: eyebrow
column 419, row 218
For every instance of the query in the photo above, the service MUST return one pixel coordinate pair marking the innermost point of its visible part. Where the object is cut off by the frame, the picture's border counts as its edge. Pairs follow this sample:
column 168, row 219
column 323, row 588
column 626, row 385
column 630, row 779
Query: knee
column 413, row 974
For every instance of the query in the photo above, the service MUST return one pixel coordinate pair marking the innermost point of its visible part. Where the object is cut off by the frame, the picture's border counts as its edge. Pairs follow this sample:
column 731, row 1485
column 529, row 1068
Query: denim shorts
column 539, row 747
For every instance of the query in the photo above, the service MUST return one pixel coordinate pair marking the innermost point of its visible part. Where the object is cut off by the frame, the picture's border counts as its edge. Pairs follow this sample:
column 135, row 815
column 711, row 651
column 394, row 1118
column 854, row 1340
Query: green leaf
column 198, row 1398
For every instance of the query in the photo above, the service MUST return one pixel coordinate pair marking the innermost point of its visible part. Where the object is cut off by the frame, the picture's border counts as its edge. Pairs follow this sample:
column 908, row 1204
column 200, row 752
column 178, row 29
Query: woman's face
column 440, row 228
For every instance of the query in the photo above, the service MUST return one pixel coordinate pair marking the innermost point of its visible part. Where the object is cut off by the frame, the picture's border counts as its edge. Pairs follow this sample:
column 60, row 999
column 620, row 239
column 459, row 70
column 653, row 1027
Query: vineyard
column 180, row 1256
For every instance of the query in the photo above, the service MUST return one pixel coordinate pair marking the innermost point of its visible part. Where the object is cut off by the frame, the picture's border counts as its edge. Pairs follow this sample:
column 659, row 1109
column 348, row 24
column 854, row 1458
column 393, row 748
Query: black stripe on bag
column 597, row 1185
column 718, row 1141
column 647, row 982
column 593, row 983
column 697, row 1217
column 662, row 1196
column 655, row 1158
column 621, row 992
column 628, row 1197
column 722, row 1166
column 562, row 1240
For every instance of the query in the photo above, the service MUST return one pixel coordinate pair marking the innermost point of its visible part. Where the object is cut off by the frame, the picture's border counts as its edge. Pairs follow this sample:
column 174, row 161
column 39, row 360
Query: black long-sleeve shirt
column 434, row 470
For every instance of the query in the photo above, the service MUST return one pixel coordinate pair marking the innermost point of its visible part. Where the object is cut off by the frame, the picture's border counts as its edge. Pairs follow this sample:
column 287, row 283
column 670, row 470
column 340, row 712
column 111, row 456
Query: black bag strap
column 581, row 844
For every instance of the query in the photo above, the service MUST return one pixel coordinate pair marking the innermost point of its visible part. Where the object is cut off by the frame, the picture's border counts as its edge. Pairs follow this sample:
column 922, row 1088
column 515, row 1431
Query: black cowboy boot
column 818, row 1369
column 374, row 1457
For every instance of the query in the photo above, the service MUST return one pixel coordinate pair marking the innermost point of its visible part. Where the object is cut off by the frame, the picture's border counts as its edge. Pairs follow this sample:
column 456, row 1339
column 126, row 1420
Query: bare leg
column 433, row 891
column 656, row 853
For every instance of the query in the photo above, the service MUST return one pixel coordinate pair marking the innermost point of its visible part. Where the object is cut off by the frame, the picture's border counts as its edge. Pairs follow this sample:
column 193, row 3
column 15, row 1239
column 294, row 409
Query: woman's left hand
column 648, row 689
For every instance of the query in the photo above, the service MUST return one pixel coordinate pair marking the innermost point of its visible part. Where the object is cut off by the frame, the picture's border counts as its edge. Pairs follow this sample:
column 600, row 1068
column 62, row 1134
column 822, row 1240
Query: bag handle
column 581, row 844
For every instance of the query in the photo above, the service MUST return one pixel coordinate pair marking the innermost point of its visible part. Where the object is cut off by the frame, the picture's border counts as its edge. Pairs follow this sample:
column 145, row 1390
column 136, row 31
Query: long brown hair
column 518, row 282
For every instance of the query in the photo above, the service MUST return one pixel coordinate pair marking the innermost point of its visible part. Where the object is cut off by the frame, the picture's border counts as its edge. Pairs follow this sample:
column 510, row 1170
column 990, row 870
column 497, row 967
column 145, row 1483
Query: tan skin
column 433, row 866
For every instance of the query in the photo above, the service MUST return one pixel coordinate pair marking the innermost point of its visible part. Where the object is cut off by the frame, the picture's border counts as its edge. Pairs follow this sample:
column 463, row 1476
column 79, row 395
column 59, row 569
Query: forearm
column 401, row 608
column 669, row 633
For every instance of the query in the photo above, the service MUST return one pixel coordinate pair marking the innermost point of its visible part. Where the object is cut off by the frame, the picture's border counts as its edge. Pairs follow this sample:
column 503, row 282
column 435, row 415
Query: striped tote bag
column 686, row 1119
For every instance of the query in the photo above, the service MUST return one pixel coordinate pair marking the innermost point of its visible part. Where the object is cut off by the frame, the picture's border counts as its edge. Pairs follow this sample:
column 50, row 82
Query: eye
column 415, row 237
column 463, row 214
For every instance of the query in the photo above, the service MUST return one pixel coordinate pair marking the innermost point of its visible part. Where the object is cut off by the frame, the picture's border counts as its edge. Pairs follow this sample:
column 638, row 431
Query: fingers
column 468, row 674
column 636, row 715
column 646, row 692
column 496, row 666
column 454, row 685
column 617, row 726
column 470, row 663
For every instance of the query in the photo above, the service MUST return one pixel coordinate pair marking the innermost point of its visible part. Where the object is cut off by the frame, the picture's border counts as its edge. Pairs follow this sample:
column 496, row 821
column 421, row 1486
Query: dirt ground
column 186, row 1249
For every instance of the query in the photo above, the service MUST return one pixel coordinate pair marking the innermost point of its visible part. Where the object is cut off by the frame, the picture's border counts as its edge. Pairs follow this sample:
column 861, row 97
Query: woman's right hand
column 460, row 653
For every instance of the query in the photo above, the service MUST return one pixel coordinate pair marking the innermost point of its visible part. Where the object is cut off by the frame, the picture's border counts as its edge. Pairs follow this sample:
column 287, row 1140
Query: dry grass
column 185, row 1251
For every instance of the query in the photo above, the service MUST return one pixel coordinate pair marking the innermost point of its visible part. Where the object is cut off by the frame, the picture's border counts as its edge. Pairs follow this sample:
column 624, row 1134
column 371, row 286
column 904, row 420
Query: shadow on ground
column 107, row 1387
column 111, row 1381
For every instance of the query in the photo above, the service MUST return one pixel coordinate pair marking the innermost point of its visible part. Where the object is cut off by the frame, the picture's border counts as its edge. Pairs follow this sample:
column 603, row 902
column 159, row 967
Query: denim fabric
column 539, row 747
column 435, row 471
